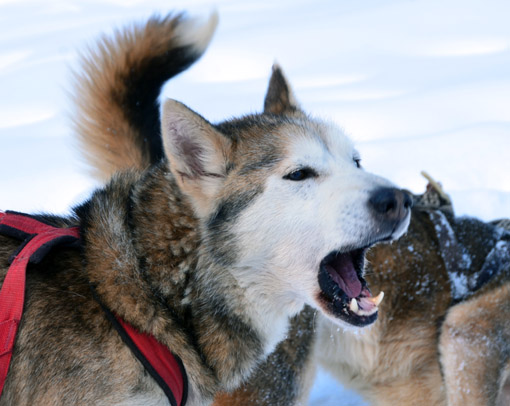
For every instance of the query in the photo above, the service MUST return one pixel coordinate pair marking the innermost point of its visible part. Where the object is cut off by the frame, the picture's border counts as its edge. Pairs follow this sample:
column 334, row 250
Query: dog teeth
column 353, row 305
column 371, row 306
column 377, row 299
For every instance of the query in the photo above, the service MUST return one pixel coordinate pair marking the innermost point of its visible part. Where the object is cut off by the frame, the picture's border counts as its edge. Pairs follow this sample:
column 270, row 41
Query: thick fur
column 205, row 242
column 438, row 340
column 285, row 378
column 478, row 326
column 117, row 117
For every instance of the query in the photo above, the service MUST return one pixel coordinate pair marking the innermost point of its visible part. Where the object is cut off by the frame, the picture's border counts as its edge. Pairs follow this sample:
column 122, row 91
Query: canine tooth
column 354, row 305
column 378, row 299
column 375, row 300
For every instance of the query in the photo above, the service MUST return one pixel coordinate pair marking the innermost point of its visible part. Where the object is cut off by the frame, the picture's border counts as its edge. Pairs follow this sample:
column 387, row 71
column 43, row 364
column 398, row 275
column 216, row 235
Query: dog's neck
column 142, row 248
column 351, row 355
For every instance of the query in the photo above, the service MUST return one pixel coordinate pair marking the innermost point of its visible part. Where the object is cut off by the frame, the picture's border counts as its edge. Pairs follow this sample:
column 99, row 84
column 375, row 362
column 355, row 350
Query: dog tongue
column 343, row 273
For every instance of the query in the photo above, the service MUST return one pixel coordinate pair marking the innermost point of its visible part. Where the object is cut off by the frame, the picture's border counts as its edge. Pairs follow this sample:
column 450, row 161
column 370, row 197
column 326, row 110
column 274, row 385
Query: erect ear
column 197, row 154
column 280, row 97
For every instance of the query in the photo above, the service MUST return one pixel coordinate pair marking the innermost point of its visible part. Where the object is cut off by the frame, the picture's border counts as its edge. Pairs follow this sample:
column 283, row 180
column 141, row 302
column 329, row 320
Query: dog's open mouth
column 344, row 291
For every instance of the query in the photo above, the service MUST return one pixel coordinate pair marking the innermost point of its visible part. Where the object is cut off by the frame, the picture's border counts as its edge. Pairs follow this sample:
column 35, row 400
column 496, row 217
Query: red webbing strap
column 165, row 367
column 24, row 223
column 12, row 294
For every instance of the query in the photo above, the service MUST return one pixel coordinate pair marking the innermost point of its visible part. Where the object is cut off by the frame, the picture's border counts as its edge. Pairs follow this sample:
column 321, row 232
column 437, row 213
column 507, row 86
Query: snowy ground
column 421, row 84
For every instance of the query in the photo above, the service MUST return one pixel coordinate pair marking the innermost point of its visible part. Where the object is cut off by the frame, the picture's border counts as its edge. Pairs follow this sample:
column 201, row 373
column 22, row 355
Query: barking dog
column 213, row 236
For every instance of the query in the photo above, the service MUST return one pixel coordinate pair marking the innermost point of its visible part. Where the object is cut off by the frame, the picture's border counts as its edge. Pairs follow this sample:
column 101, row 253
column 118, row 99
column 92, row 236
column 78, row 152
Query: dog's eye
column 301, row 174
column 357, row 161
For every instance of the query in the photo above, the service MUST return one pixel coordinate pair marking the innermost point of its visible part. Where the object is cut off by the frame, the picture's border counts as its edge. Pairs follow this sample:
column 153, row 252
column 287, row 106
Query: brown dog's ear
column 197, row 154
column 280, row 97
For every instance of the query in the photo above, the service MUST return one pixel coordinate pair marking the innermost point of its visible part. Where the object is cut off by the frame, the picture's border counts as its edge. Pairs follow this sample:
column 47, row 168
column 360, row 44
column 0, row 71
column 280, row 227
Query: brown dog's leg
column 475, row 349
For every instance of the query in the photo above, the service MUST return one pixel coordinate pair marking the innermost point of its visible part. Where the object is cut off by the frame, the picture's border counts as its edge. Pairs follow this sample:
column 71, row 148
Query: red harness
column 38, row 239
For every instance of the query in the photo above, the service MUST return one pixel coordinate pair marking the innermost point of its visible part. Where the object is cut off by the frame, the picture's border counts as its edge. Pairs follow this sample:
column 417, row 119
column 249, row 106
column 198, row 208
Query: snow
column 419, row 85
column 460, row 285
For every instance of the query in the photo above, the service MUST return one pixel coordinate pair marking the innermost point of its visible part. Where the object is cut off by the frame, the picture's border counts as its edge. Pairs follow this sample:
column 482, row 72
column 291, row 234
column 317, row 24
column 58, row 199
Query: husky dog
column 209, row 240
column 443, row 333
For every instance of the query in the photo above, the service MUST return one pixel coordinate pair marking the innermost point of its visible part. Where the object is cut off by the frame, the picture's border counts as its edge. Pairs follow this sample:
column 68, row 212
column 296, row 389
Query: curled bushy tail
column 117, row 117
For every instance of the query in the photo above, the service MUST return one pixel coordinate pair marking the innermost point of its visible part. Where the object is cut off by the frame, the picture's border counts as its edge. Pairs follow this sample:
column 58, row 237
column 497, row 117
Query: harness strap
column 165, row 367
column 38, row 239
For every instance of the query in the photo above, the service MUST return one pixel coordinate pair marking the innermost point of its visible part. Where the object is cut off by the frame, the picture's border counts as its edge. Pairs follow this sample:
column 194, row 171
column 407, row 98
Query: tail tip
column 197, row 33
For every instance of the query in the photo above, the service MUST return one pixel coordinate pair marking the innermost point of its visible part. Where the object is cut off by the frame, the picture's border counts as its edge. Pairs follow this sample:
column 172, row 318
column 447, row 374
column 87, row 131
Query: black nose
column 390, row 203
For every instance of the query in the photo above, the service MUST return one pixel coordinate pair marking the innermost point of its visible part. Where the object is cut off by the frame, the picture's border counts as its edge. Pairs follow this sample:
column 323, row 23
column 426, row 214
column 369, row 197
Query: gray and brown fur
column 158, row 243
column 117, row 116
column 143, row 270
column 285, row 378
column 410, row 356
column 433, row 343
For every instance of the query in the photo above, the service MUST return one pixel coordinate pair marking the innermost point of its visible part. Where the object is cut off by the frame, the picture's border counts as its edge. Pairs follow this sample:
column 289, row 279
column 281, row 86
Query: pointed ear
column 197, row 154
column 280, row 97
